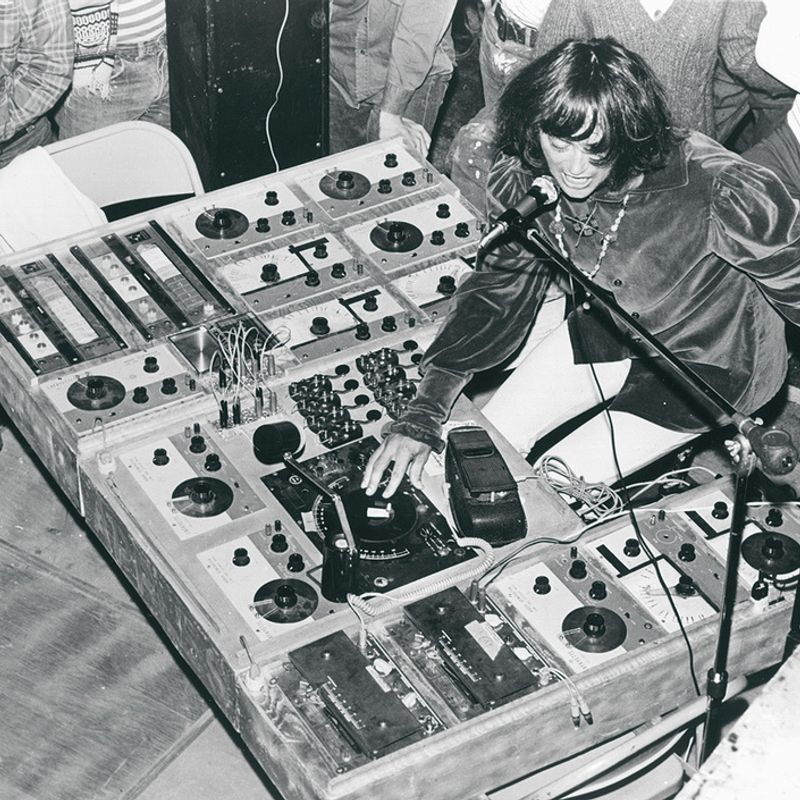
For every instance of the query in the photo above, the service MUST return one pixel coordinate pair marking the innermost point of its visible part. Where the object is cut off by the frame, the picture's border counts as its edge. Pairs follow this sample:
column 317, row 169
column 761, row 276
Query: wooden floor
column 94, row 702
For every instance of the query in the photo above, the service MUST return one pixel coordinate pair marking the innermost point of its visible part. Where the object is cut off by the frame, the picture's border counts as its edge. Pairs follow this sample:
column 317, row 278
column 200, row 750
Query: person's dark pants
column 350, row 127
column 37, row 134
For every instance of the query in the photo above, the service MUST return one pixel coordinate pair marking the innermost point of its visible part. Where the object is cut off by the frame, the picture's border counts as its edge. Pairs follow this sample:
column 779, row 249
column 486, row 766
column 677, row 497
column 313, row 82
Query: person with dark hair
column 698, row 244
column 702, row 51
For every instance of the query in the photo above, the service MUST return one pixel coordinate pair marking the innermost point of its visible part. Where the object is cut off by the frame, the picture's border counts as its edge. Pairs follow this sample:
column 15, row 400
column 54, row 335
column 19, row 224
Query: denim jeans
column 499, row 60
column 472, row 149
column 349, row 127
column 139, row 90
column 38, row 134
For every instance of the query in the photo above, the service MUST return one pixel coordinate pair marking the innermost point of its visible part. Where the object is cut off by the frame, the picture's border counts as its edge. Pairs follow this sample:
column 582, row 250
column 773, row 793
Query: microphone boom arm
column 774, row 450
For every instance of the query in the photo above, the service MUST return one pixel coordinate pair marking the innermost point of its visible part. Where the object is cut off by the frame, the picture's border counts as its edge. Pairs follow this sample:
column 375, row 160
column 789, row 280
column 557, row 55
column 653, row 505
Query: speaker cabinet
column 228, row 61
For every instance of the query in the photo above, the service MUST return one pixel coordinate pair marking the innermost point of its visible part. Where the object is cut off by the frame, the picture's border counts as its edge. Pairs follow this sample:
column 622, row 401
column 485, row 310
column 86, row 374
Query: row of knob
column 270, row 273
column 320, row 326
column 397, row 233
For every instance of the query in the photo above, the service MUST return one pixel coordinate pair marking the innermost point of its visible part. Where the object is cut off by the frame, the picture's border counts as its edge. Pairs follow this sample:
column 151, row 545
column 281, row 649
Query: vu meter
column 644, row 585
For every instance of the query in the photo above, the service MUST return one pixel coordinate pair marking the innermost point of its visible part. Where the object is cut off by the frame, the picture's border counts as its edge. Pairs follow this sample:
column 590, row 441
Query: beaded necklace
column 557, row 229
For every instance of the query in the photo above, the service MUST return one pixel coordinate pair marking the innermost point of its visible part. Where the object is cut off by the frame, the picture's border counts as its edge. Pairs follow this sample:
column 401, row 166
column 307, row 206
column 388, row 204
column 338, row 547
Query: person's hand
column 415, row 137
column 407, row 454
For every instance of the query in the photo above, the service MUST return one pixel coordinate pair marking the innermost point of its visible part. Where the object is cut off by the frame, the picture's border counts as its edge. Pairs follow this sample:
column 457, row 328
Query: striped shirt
column 35, row 60
column 140, row 20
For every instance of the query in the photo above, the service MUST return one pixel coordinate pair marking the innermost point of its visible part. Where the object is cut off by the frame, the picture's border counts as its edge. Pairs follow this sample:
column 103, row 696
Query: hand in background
column 408, row 456
column 414, row 135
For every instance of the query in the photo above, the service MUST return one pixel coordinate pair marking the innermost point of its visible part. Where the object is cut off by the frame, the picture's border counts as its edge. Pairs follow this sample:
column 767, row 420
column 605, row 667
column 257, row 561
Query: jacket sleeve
column 754, row 225
column 780, row 152
column 493, row 310
column 737, row 46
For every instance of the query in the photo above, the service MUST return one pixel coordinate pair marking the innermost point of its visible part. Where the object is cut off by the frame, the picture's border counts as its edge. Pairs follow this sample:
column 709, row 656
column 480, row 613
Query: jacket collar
column 674, row 175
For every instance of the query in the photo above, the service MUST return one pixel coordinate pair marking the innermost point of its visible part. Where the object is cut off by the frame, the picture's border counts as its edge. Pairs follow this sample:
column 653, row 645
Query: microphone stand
column 772, row 449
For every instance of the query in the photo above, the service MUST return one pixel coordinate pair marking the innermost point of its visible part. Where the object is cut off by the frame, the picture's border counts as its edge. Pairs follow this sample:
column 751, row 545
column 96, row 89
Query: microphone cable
column 623, row 490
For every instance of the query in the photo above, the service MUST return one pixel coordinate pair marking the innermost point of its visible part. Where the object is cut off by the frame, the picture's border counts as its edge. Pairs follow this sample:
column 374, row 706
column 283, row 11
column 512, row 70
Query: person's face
column 577, row 171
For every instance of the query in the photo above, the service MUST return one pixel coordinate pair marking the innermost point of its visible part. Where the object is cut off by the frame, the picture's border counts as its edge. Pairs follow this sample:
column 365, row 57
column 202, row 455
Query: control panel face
column 431, row 288
column 360, row 318
column 367, row 179
column 237, row 218
column 121, row 390
column 287, row 272
column 221, row 374
column 259, row 589
column 416, row 233
column 155, row 287
column 50, row 319
column 191, row 483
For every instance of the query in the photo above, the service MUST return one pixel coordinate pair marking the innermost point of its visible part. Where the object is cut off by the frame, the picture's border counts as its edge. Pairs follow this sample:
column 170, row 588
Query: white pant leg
column 638, row 442
column 547, row 389
column 548, row 318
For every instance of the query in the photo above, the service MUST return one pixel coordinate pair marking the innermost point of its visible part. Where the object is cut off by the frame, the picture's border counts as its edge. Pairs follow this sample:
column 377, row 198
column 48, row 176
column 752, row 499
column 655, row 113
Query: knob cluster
column 321, row 406
column 383, row 374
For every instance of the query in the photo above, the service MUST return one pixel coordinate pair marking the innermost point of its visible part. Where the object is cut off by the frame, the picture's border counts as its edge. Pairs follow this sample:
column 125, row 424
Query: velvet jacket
column 707, row 258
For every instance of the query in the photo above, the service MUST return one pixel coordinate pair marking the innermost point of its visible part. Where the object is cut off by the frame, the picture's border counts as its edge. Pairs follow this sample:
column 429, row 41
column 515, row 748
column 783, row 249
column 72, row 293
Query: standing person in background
column 390, row 64
column 120, row 65
column 690, row 45
column 35, row 70
column 508, row 37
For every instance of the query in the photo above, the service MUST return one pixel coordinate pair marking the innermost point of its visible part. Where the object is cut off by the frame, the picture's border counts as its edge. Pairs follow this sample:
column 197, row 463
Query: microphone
column 543, row 192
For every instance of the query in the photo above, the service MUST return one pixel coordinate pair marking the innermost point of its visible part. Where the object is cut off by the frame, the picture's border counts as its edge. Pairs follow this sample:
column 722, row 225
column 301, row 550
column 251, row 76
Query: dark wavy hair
column 582, row 84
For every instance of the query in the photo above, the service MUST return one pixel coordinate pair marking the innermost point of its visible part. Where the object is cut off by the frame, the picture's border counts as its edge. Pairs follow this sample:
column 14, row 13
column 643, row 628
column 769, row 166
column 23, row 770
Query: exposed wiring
column 666, row 477
column 267, row 120
column 243, row 366
column 579, row 708
column 597, row 499
column 634, row 522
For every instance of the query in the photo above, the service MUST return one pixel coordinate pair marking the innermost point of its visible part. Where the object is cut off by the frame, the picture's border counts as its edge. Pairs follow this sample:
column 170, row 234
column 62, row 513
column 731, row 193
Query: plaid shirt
column 36, row 55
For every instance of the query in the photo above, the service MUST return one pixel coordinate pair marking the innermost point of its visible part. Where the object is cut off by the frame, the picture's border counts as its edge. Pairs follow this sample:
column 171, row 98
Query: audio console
column 207, row 381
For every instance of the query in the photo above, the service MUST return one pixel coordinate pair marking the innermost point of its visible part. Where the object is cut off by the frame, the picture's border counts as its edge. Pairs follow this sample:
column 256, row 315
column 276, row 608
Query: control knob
column 285, row 596
column 447, row 285
column 577, row 569
column 345, row 181
column 320, row 326
column 222, row 220
column 95, row 388
column 594, row 626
